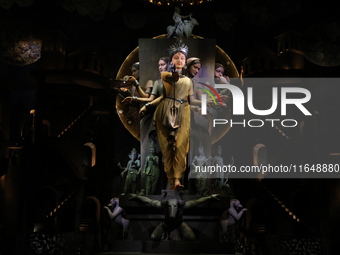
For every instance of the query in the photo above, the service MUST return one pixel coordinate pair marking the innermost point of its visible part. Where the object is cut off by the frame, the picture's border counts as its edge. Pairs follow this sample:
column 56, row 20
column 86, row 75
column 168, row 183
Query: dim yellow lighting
column 14, row 147
column 298, row 220
column 290, row 213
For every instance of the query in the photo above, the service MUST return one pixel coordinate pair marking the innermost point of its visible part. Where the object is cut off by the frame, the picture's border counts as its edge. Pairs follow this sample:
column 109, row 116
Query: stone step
column 170, row 247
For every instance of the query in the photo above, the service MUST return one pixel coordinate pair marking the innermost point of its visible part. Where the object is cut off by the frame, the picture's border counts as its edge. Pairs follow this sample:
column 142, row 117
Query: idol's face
column 200, row 151
column 135, row 72
column 194, row 69
column 219, row 71
column 178, row 60
column 162, row 65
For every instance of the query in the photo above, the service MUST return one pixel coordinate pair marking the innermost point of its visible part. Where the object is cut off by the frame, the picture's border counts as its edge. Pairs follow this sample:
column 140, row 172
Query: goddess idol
column 172, row 116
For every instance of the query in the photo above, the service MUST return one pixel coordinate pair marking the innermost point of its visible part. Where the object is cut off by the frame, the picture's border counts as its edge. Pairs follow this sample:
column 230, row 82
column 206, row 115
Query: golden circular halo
column 129, row 115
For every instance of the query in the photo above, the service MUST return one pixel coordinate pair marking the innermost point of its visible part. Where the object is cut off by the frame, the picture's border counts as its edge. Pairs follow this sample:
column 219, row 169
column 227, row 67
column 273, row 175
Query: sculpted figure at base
column 116, row 214
column 133, row 170
column 200, row 178
column 173, row 227
column 230, row 217
column 151, row 171
column 220, row 184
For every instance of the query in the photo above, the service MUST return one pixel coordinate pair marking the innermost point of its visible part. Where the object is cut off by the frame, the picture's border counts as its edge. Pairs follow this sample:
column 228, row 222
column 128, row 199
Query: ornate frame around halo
column 134, row 128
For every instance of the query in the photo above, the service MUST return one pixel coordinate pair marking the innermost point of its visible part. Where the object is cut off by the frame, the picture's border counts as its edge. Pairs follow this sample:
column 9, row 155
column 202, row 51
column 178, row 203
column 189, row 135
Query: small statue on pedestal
column 133, row 170
column 199, row 161
column 116, row 213
column 183, row 26
column 151, row 171
column 173, row 227
column 220, row 185
column 230, row 216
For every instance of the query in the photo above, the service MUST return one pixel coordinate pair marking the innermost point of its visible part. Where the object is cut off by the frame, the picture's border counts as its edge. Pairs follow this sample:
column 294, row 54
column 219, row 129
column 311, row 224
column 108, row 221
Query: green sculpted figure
column 151, row 171
column 133, row 169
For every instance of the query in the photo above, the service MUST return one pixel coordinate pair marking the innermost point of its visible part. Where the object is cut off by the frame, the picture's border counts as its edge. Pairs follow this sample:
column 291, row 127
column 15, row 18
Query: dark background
column 112, row 29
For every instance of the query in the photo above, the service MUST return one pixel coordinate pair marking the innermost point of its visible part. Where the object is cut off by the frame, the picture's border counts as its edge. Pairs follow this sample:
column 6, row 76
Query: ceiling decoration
column 7, row 4
column 95, row 9
column 177, row 2
column 321, row 43
column 19, row 45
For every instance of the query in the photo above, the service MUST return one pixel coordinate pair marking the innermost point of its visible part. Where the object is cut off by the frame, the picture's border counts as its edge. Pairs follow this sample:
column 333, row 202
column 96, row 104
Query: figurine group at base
column 173, row 205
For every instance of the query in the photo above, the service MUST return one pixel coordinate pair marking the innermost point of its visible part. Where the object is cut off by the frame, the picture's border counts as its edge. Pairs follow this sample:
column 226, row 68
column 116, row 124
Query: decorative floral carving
column 135, row 20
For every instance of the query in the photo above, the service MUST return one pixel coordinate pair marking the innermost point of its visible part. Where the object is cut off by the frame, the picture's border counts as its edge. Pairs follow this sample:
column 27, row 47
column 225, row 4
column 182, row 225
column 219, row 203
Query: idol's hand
column 142, row 110
column 215, row 196
column 133, row 196
column 225, row 98
column 123, row 89
column 210, row 102
column 131, row 79
column 175, row 76
column 127, row 100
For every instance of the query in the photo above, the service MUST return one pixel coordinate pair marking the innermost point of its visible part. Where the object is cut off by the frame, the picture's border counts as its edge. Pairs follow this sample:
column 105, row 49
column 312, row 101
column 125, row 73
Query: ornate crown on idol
column 178, row 47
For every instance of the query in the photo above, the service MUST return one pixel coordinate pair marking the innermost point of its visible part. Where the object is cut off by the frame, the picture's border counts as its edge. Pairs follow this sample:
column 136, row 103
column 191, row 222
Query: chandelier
column 177, row 2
